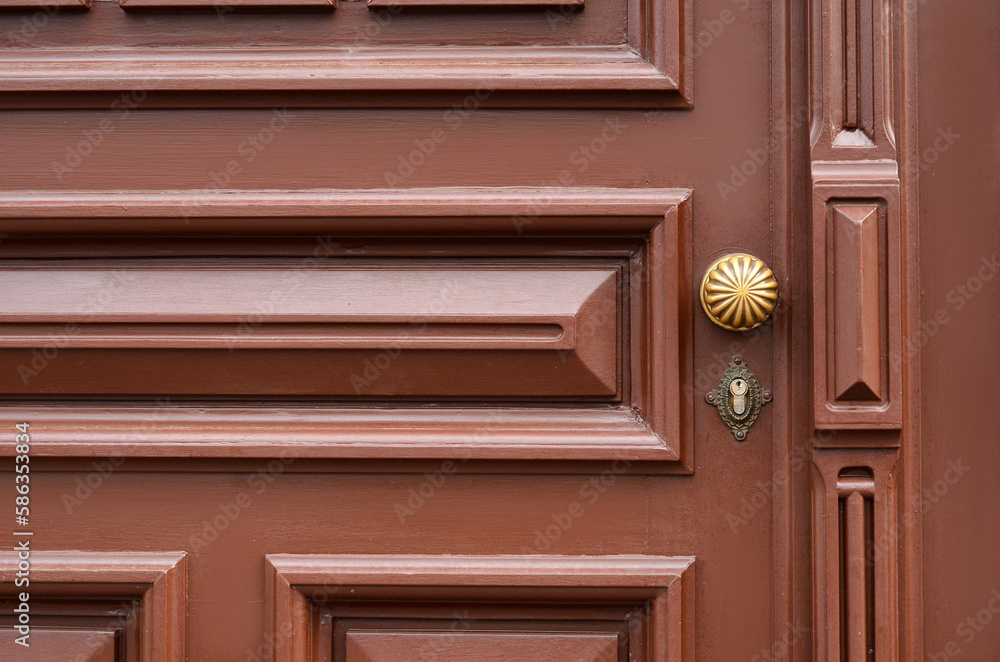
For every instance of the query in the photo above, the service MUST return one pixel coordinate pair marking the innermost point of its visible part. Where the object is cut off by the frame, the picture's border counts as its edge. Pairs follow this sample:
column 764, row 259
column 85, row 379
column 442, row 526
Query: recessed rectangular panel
column 383, row 52
column 284, row 329
column 858, row 319
column 450, row 646
column 515, row 324
column 858, row 346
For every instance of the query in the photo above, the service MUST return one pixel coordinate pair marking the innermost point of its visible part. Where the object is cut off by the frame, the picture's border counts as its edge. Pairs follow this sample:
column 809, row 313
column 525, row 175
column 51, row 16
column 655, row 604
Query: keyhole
column 738, row 389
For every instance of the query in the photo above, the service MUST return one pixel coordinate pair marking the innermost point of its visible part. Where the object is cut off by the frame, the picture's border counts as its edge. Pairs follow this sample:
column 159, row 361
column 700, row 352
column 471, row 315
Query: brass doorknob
column 739, row 292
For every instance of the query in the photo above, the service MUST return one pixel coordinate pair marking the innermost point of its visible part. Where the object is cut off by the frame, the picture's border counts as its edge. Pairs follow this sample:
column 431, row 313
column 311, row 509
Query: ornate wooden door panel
column 368, row 331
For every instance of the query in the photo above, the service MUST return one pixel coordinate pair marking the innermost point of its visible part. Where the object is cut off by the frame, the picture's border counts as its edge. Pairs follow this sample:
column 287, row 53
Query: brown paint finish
column 369, row 331
column 959, row 157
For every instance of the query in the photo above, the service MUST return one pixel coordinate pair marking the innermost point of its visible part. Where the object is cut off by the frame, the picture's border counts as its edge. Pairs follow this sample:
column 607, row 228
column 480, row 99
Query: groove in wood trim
column 856, row 490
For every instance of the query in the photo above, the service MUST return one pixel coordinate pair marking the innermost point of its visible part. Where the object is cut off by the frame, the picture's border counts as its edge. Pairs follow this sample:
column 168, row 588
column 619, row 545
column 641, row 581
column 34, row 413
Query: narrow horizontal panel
column 434, row 331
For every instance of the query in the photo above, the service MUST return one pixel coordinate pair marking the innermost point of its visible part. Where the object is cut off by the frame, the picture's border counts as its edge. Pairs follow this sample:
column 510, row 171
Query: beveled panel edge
column 657, row 57
column 880, row 190
column 157, row 579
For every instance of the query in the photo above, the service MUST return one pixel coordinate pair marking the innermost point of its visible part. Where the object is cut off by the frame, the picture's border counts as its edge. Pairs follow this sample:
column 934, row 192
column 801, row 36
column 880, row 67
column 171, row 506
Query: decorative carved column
column 865, row 460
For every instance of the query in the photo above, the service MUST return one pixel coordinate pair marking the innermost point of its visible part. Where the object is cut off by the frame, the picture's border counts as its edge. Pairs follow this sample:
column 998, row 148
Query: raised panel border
column 158, row 580
column 652, row 429
column 878, row 187
column 665, row 585
column 656, row 57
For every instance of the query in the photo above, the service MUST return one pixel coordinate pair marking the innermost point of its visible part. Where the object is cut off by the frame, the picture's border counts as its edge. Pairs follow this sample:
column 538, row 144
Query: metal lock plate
column 739, row 398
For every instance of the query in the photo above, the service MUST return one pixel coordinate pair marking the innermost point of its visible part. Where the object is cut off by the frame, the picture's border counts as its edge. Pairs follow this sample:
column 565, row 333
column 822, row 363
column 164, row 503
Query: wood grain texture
column 855, row 554
column 658, row 587
column 156, row 581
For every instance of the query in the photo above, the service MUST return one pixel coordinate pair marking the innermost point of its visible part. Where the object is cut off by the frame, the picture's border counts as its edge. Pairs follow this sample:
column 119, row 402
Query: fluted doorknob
column 739, row 292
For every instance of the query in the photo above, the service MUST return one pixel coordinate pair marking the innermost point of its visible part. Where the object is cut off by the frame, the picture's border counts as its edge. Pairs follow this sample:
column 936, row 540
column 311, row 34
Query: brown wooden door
column 358, row 332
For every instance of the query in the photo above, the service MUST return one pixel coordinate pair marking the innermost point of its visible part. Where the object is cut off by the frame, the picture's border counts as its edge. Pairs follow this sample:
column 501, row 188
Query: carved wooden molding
column 857, row 278
column 855, row 563
column 70, row 581
column 857, row 266
column 304, row 593
column 614, row 312
column 651, row 66
column 865, row 306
